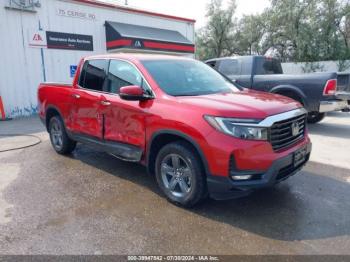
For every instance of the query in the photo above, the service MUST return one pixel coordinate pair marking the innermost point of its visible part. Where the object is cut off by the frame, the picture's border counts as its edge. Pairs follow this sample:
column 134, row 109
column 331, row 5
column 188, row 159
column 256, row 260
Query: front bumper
column 221, row 188
column 333, row 105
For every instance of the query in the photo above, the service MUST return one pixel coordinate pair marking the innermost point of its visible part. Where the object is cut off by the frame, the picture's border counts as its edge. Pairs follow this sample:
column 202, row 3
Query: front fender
column 197, row 143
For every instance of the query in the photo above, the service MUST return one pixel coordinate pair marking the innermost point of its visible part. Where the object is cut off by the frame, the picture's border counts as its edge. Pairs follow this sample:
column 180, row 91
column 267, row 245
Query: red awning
column 120, row 35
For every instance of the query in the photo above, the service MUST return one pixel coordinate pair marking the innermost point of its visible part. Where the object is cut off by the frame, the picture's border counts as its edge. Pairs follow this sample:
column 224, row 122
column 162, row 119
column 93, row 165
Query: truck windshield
column 187, row 78
column 268, row 66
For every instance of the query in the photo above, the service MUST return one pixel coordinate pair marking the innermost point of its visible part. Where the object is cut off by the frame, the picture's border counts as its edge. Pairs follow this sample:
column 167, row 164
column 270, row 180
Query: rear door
column 86, row 116
column 264, row 70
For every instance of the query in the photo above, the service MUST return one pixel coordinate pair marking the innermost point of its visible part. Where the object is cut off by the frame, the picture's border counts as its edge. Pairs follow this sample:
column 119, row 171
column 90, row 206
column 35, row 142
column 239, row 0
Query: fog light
column 245, row 177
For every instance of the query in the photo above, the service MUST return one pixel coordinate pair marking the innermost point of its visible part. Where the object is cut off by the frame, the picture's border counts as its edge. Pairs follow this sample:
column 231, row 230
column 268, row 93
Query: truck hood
column 242, row 104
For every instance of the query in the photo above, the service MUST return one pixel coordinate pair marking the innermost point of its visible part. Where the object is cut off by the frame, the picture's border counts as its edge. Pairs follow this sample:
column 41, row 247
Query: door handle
column 76, row 96
column 105, row 103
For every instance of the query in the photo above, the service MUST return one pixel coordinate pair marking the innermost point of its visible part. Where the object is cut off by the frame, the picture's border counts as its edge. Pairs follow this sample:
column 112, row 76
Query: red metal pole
column 2, row 110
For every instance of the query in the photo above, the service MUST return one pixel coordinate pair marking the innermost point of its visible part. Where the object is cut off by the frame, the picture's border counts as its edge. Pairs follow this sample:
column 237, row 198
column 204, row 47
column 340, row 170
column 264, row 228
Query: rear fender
column 283, row 89
column 50, row 111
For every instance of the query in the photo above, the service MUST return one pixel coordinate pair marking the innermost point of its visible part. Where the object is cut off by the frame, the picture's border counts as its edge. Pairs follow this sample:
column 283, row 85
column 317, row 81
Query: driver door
column 124, row 121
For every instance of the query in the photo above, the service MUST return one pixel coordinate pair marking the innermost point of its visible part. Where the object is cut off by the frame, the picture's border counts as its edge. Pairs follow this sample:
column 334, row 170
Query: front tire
column 315, row 117
column 59, row 139
column 180, row 175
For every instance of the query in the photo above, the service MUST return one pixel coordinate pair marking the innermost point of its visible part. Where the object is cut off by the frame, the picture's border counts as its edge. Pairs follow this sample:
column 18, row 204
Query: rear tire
column 315, row 117
column 180, row 175
column 59, row 139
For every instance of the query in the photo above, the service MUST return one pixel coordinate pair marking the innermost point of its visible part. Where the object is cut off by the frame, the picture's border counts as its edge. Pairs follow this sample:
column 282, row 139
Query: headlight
column 239, row 128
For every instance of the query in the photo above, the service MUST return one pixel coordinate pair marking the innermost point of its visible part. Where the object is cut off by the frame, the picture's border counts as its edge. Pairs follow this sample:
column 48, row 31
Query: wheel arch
column 51, row 111
column 163, row 137
column 290, row 89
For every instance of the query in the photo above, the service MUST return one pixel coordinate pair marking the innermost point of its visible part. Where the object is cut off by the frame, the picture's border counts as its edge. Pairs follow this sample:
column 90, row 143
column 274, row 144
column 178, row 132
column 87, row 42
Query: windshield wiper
column 197, row 94
column 187, row 94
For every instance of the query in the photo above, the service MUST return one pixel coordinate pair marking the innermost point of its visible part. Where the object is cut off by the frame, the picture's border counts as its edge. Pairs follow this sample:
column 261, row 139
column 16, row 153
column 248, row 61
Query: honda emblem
column 295, row 128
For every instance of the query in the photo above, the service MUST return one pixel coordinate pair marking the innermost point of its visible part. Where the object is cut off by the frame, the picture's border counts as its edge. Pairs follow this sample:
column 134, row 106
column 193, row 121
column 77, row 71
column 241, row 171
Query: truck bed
column 55, row 84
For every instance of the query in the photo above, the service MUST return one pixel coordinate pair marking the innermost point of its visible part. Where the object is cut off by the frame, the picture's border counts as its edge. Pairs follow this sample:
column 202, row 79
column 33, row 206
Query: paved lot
column 92, row 203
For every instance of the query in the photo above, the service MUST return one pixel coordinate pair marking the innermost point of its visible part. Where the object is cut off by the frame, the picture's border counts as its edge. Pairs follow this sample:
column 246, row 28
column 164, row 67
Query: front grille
column 281, row 134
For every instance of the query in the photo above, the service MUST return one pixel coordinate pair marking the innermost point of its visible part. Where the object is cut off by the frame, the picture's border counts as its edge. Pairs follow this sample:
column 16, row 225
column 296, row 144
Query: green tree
column 293, row 30
column 249, row 34
column 308, row 30
column 216, row 38
column 288, row 25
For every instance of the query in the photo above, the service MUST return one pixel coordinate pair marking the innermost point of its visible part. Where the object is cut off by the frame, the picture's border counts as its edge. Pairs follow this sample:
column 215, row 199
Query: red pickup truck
column 198, row 132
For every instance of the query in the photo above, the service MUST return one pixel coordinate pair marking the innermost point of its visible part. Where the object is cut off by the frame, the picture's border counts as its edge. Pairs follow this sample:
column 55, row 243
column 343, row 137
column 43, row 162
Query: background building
column 43, row 40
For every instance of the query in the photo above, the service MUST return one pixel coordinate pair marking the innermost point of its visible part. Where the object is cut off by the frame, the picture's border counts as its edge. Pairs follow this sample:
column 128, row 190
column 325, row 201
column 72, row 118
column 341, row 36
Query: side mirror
column 133, row 93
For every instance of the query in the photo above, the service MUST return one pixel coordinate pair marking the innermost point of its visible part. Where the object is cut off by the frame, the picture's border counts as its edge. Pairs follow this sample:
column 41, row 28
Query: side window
column 82, row 74
column 121, row 74
column 268, row 66
column 211, row 63
column 246, row 65
column 230, row 67
column 93, row 74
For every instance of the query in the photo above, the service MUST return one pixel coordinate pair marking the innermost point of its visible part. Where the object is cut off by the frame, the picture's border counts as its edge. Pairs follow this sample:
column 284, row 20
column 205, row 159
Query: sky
column 194, row 9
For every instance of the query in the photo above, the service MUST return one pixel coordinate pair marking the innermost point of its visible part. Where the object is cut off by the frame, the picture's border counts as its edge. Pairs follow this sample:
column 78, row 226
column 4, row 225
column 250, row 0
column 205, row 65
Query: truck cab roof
column 136, row 56
column 237, row 57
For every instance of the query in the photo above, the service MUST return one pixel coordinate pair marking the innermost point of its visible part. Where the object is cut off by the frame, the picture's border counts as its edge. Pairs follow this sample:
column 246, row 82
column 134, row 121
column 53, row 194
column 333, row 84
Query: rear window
column 267, row 66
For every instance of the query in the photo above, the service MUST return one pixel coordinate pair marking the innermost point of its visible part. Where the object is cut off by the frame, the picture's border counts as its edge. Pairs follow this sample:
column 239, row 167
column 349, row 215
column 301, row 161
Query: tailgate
column 343, row 82
column 343, row 86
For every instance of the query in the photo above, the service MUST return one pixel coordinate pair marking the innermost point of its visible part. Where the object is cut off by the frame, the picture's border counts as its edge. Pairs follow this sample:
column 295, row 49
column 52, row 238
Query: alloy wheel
column 56, row 135
column 176, row 175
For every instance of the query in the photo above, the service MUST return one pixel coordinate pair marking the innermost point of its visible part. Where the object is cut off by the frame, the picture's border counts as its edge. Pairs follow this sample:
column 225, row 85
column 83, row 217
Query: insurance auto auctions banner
column 58, row 40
